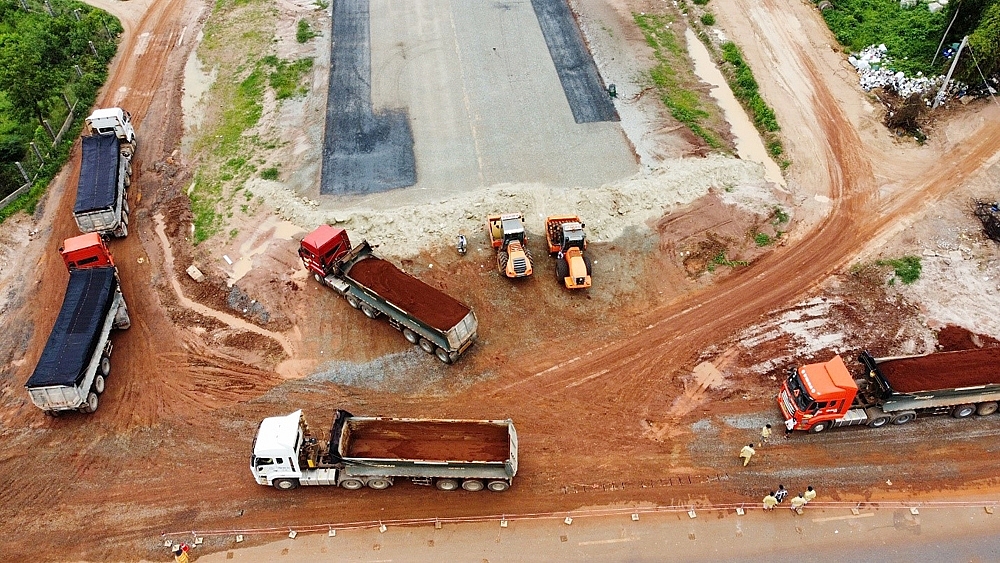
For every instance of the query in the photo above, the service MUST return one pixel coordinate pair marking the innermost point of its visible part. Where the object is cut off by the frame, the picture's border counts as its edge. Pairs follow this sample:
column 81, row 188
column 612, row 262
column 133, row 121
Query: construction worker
column 798, row 502
column 781, row 493
column 746, row 453
column 769, row 501
column 809, row 494
column 765, row 433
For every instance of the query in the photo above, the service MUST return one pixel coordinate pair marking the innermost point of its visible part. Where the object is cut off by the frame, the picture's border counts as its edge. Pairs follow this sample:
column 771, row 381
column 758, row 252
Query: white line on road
column 850, row 517
column 600, row 542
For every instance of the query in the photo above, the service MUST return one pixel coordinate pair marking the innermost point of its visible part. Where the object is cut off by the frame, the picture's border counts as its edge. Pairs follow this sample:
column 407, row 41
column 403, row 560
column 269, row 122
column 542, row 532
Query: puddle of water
column 280, row 230
column 748, row 142
column 196, row 84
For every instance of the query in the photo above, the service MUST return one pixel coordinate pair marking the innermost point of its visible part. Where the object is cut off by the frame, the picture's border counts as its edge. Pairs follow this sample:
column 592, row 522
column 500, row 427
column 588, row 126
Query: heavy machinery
column 426, row 316
column 567, row 241
column 375, row 451
column 896, row 390
column 507, row 235
column 73, row 369
column 105, row 173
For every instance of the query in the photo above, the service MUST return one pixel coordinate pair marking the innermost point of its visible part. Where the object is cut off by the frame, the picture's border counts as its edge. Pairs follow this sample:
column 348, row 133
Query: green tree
column 985, row 45
column 32, row 71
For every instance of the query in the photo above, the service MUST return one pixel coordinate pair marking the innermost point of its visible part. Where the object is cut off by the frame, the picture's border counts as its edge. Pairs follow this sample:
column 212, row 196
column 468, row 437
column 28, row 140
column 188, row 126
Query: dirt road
column 591, row 388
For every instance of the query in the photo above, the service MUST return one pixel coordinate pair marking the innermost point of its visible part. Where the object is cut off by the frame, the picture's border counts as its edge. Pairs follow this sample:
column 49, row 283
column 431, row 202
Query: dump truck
column 567, row 241
column 74, row 366
column 105, row 173
column 507, row 236
column 893, row 390
column 426, row 316
column 375, row 451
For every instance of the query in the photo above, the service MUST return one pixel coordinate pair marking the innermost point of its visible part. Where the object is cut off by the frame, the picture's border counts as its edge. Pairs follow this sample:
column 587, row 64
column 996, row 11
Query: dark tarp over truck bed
column 89, row 296
column 98, row 184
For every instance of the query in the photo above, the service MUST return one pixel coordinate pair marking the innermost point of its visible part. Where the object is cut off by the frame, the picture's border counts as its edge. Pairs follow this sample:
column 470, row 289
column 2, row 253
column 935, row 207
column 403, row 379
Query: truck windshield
column 798, row 392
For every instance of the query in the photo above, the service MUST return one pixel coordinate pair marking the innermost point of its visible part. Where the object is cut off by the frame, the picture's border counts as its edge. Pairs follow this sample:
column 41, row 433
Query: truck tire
column 353, row 301
column 99, row 384
column 285, row 484
column 318, row 279
column 903, row 417
column 369, row 311
column 502, row 259
column 562, row 270
column 91, row 405
column 986, row 409
column 442, row 355
column 410, row 336
column 876, row 417
column 963, row 411
column 427, row 346
column 105, row 366
column 351, row 484
column 446, row 484
column 498, row 486
column 379, row 483
column 818, row 427
column 590, row 266
column 472, row 485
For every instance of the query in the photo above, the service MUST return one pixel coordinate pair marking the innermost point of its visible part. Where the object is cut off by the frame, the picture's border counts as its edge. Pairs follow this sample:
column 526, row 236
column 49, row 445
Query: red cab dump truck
column 105, row 173
column 426, row 316
column 895, row 390
column 375, row 451
column 76, row 361
column 567, row 241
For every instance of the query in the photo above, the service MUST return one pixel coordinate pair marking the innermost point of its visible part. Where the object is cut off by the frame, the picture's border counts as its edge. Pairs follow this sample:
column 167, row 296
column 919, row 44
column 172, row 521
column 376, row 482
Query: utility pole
column 947, row 79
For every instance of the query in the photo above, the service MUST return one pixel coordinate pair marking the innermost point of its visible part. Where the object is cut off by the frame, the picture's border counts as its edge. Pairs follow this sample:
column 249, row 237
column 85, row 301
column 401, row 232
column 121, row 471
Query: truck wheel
column 410, row 336
column 91, row 405
column 498, row 486
column 446, row 484
column 818, row 427
column 904, row 417
column 442, row 355
column 502, row 259
column 105, row 366
column 318, row 278
column 590, row 266
column 352, row 484
column 353, row 301
column 963, row 411
column 427, row 345
column 562, row 270
column 379, row 483
column 369, row 311
column 472, row 485
column 986, row 409
column 285, row 484
column 99, row 384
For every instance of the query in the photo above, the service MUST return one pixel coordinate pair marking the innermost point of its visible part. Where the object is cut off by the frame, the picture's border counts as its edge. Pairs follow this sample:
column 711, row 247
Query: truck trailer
column 105, row 173
column 426, row 316
column 375, row 451
column 893, row 390
column 73, row 369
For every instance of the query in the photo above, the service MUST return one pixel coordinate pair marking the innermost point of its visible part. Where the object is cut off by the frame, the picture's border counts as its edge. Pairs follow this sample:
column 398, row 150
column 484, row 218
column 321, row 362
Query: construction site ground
column 641, row 389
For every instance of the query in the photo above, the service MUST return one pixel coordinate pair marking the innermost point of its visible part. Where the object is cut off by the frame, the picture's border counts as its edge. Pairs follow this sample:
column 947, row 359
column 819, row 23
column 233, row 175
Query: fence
column 41, row 160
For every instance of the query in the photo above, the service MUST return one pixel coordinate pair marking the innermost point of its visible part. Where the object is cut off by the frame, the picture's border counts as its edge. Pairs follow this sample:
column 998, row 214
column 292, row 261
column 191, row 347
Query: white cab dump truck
column 105, row 173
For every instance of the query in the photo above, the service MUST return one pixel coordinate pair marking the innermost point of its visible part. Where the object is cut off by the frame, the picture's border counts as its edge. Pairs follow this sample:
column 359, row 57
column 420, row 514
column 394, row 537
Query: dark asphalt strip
column 364, row 152
column 581, row 82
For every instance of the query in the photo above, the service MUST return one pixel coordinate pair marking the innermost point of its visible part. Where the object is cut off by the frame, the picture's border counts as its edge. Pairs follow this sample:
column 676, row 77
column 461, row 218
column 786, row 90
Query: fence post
column 66, row 101
column 45, row 123
column 92, row 48
column 23, row 173
column 24, row 5
column 108, row 31
column 76, row 13
column 79, row 71
column 49, row 8
column 34, row 147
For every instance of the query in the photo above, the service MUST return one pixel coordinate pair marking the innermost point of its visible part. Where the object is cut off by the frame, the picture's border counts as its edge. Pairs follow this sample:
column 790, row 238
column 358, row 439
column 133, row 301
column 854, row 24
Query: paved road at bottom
column 819, row 534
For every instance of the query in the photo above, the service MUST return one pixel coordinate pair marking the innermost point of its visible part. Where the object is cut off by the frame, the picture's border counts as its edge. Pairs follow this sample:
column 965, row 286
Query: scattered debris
column 988, row 214
column 195, row 273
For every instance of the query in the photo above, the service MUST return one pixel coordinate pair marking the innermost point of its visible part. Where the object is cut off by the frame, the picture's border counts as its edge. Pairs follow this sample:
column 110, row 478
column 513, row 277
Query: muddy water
column 281, row 230
column 196, row 83
column 748, row 142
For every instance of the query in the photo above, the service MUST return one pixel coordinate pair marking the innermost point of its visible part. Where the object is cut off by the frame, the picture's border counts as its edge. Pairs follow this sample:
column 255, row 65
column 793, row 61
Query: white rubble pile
column 874, row 69
column 933, row 5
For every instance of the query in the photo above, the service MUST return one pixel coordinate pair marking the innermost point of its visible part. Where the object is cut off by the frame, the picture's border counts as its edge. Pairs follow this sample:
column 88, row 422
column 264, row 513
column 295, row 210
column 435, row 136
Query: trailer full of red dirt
column 427, row 440
column 945, row 370
column 430, row 305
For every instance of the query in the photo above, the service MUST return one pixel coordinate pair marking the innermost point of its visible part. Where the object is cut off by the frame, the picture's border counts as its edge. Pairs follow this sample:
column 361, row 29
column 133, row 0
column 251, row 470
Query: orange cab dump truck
column 567, row 241
column 72, row 371
column 895, row 390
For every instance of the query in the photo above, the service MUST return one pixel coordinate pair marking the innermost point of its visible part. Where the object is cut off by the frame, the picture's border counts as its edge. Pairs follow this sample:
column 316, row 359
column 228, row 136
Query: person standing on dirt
column 765, row 433
column 769, row 501
column 746, row 453
column 809, row 494
column 797, row 503
column 781, row 493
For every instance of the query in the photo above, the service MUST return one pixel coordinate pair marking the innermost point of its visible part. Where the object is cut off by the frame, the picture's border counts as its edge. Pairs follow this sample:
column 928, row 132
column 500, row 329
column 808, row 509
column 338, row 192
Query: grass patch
column 763, row 239
column 267, row 174
column 285, row 77
column 672, row 71
column 720, row 259
column 907, row 269
column 708, row 18
column 304, row 32
column 911, row 34
column 745, row 88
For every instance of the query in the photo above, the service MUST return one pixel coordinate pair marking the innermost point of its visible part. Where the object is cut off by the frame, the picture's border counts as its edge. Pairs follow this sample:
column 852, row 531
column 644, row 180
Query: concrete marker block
column 568, row 521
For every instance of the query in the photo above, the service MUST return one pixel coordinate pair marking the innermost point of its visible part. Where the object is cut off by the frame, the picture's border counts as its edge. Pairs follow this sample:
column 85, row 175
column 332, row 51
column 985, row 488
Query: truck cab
column 276, row 451
column 321, row 249
column 112, row 121
column 86, row 251
column 817, row 396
